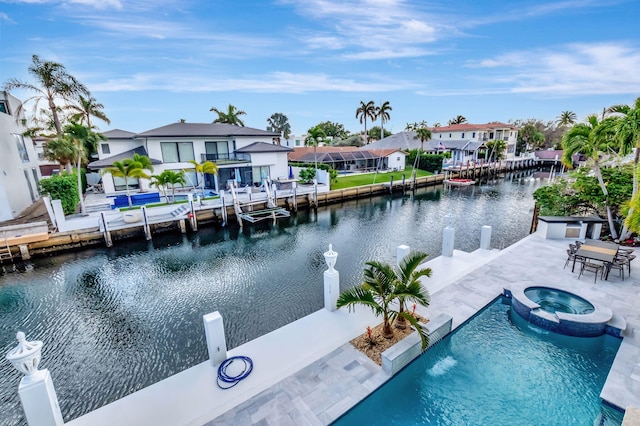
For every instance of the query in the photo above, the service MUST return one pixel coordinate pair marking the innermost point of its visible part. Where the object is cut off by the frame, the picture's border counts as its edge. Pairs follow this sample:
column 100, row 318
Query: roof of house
column 383, row 152
column 119, row 134
column 335, row 156
column 263, row 147
column 549, row 154
column 470, row 127
column 403, row 140
column 108, row 162
column 300, row 152
column 204, row 130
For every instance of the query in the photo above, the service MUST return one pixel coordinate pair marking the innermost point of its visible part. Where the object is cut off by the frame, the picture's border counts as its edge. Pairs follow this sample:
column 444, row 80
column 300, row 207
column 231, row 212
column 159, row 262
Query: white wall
column 15, row 195
column 118, row 146
column 396, row 161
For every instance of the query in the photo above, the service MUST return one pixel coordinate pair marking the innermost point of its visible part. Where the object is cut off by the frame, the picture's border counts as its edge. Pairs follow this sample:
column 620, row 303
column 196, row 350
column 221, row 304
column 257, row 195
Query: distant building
column 243, row 154
column 351, row 158
column 465, row 142
column 19, row 171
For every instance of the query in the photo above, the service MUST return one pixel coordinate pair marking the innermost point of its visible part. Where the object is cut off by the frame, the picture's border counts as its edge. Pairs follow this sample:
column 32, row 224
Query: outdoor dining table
column 597, row 250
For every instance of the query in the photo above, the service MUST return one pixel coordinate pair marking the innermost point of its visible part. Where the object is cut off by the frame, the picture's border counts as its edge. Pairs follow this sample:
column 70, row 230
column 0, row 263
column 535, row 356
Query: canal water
column 116, row 320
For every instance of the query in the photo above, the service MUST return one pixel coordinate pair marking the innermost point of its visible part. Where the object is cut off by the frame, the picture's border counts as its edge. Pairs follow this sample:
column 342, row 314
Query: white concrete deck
column 193, row 397
column 460, row 287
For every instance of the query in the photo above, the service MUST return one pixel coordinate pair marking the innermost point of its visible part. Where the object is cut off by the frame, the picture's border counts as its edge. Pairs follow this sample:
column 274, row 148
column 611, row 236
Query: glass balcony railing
column 226, row 158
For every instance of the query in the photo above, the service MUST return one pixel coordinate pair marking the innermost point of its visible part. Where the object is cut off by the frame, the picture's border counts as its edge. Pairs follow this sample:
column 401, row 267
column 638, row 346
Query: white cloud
column 573, row 69
column 275, row 82
column 4, row 17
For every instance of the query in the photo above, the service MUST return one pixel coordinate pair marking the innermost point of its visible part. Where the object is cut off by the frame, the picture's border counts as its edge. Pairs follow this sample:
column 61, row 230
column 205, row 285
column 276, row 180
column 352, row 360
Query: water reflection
column 116, row 320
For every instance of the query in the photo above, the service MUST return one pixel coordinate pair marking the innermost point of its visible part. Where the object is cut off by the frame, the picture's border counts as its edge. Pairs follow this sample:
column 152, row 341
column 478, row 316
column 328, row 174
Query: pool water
column 497, row 370
column 554, row 300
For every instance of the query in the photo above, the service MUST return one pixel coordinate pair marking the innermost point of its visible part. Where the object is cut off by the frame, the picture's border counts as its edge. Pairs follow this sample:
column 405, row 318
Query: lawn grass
column 361, row 179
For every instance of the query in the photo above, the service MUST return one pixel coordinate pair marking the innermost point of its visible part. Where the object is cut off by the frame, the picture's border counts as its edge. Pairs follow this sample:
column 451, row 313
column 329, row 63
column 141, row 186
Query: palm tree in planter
column 382, row 287
column 408, row 282
column 130, row 168
column 166, row 178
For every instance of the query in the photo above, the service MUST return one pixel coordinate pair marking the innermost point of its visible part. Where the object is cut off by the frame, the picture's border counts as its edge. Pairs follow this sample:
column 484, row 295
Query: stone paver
column 326, row 389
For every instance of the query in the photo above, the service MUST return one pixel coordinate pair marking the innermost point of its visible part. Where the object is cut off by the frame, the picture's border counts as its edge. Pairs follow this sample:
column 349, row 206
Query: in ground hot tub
column 559, row 310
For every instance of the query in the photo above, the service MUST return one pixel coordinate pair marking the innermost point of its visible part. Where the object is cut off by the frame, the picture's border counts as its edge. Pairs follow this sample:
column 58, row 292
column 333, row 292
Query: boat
column 459, row 182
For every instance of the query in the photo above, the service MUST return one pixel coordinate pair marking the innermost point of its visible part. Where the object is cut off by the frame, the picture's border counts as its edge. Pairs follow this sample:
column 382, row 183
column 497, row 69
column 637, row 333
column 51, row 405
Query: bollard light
column 331, row 257
column 26, row 356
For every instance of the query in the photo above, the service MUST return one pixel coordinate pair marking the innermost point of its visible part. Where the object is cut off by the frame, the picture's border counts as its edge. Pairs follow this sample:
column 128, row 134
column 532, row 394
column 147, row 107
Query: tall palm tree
column 379, row 291
column 592, row 140
column 382, row 112
column 53, row 82
column 424, row 134
column 166, row 178
column 130, row 168
column 566, row 119
column 206, row 167
column 230, row 116
column 315, row 136
column 628, row 134
column 364, row 111
column 86, row 108
column 278, row 122
column 459, row 119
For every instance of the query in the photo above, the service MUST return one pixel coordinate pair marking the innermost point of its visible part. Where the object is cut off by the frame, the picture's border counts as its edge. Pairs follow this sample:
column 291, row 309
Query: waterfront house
column 243, row 154
column 19, row 171
column 465, row 142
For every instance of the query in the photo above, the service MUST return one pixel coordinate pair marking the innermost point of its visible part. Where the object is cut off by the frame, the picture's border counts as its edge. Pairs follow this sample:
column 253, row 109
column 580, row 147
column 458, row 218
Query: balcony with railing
column 226, row 158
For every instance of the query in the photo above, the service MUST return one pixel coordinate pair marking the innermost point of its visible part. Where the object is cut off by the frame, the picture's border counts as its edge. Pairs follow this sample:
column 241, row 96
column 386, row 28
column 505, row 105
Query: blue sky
column 152, row 63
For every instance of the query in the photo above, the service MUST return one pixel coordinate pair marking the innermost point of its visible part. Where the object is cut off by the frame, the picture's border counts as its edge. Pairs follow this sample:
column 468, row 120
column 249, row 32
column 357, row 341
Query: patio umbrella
column 290, row 172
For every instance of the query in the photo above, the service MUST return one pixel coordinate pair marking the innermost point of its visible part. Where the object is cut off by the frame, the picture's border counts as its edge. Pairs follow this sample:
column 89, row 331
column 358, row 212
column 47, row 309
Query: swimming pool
column 498, row 370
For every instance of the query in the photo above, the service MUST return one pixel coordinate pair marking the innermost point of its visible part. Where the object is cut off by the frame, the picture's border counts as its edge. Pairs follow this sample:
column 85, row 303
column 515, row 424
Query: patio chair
column 571, row 256
column 596, row 268
column 626, row 259
column 619, row 264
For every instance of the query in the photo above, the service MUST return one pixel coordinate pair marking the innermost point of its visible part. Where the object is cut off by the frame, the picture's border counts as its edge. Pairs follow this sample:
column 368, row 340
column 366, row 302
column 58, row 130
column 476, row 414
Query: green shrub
column 428, row 162
column 62, row 187
column 307, row 175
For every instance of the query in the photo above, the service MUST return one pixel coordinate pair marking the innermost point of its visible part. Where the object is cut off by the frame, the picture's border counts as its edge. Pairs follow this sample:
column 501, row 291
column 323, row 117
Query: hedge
column 62, row 187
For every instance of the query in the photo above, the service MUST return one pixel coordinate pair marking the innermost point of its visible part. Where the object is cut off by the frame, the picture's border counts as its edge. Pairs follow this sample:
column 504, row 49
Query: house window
column 217, row 150
column 177, row 152
column 297, row 142
column 449, row 135
column 462, row 135
column 440, row 135
column 260, row 173
column 473, row 135
column 397, row 158
column 3, row 107
column 35, row 179
column 22, row 148
column 105, row 148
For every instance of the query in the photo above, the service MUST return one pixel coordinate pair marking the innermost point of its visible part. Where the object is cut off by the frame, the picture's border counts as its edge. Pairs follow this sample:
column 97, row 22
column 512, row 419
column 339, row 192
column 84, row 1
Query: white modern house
column 243, row 154
column 19, row 171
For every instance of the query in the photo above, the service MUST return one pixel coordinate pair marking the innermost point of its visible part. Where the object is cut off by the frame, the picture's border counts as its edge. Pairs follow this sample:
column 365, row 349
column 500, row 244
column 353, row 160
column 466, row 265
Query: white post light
column 36, row 391
column 331, row 280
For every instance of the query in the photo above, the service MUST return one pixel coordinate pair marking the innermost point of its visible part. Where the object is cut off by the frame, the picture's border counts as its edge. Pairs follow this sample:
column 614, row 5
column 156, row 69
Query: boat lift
column 271, row 212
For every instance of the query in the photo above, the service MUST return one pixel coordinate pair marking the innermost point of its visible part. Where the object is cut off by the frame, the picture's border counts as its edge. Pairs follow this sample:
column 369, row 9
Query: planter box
column 406, row 350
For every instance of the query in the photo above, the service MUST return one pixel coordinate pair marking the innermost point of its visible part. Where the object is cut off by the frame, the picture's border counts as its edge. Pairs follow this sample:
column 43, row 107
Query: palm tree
column 382, row 112
column 85, row 109
column 592, row 140
column 424, row 134
column 279, row 123
column 52, row 82
column 380, row 290
column 407, row 277
column 206, row 167
column 81, row 137
column 166, row 178
column 459, row 119
column 628, row 134
column 315, row 135
column 231, row 116
column 566, row 118
column 130, row 168
column 61, row 150
column 364, row 111
column 496, row 149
